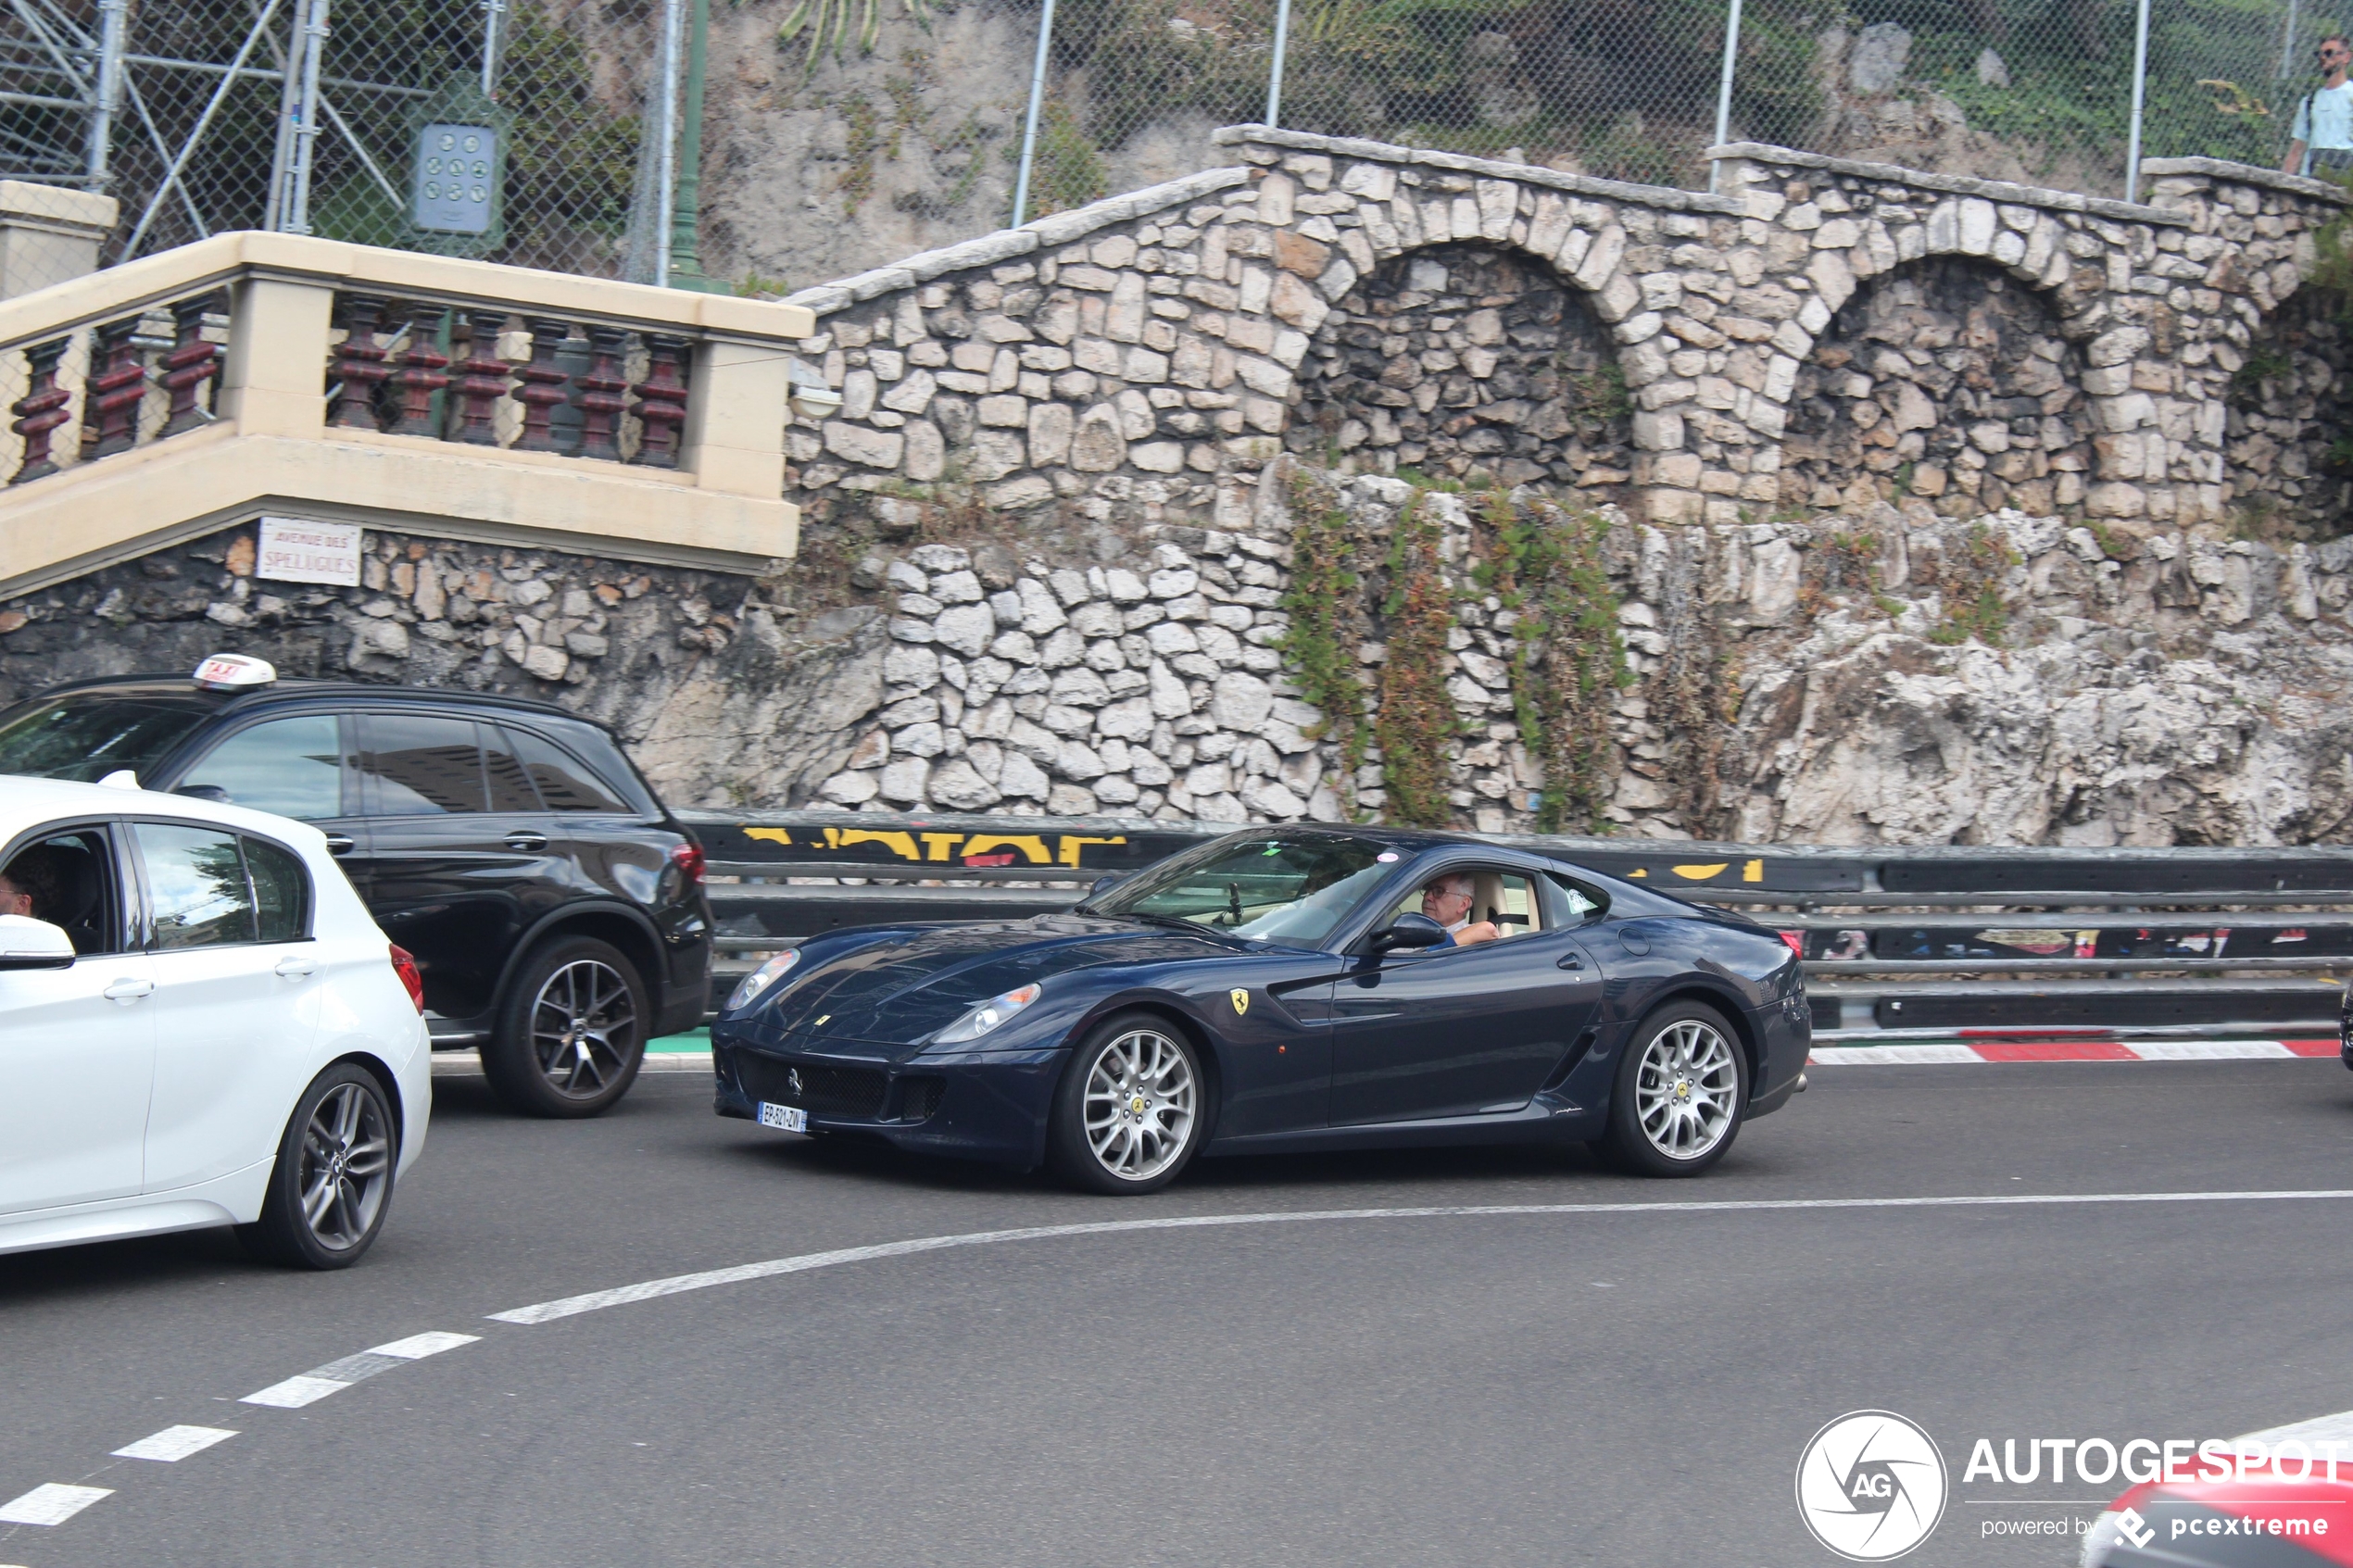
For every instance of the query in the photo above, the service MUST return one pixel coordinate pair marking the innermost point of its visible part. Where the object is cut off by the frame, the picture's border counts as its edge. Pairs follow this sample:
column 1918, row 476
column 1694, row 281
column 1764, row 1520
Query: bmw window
column 1295, row 890
column 88, row 737
column 197, row 886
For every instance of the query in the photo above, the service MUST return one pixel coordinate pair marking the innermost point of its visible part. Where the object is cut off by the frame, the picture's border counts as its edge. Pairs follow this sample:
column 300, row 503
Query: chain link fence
column 197, row 122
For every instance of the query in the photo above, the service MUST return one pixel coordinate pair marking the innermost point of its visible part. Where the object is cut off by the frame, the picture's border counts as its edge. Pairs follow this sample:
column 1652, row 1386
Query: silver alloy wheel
column 346, row 1167
column 584, row 1028
column 1686, row 1088
column 1138, row 1105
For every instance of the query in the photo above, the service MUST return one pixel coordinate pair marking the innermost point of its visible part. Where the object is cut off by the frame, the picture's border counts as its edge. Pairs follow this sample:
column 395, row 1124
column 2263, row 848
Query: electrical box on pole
column 458, row 170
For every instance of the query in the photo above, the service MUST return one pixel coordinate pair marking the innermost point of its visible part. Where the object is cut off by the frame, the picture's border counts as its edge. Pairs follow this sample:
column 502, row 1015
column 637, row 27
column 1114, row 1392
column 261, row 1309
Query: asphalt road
column 1609, row 1388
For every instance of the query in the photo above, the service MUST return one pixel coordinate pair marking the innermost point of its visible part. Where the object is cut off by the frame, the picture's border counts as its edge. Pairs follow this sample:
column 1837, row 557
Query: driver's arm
column 1476, row 932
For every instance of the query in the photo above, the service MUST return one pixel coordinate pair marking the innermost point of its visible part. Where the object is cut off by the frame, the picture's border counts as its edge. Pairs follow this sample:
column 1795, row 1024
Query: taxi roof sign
column 234, row 672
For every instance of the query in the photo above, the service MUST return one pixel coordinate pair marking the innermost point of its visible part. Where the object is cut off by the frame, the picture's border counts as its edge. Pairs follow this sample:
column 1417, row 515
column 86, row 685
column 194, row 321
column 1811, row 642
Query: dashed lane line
column 652, row 1289
column 52, row 1503
column 174, row 1443
column 309, row 1387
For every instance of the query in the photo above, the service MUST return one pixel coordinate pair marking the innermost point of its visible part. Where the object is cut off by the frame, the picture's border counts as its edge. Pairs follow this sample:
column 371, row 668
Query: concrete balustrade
column 262, row 372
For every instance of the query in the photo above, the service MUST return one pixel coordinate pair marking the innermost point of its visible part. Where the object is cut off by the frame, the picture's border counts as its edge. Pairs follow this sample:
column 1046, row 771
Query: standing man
column 2321, row 139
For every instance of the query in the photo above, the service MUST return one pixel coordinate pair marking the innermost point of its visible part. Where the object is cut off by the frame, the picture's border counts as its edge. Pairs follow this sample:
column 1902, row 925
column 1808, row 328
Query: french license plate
column 791, row 1117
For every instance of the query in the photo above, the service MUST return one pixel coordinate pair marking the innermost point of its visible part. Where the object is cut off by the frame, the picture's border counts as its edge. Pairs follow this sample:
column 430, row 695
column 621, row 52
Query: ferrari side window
column 1571, row 904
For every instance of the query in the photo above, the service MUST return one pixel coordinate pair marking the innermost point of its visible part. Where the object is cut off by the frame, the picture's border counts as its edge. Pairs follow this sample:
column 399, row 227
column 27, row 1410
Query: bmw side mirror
column 26, row 943
column 1409, row 931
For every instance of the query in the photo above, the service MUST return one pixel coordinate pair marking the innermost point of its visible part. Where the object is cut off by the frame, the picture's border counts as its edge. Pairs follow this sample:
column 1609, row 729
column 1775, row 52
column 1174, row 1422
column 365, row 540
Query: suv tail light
column 405, row 966
column 687, row 858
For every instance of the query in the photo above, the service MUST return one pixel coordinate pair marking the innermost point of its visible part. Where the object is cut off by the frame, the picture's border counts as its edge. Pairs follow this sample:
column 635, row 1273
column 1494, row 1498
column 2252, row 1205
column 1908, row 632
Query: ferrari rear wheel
column 1682, row 1091
column 1128, row 1114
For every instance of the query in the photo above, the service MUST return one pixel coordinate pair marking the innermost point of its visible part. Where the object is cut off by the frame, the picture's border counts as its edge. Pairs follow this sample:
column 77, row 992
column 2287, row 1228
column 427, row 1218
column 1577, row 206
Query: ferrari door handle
column 296, row 967
column 129, row 988
column 1569, row 961
column 338, row 843
column 530, row 843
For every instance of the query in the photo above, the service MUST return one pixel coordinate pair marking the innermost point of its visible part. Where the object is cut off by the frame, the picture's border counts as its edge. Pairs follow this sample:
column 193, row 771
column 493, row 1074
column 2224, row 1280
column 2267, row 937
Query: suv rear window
column 86, row 737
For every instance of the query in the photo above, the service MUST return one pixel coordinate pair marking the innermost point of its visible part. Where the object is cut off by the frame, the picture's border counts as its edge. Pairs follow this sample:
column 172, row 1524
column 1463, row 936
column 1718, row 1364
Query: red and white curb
column 2088, row 1048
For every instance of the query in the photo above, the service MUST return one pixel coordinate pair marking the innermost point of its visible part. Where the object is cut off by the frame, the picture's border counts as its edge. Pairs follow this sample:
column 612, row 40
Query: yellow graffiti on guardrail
column 945, row 848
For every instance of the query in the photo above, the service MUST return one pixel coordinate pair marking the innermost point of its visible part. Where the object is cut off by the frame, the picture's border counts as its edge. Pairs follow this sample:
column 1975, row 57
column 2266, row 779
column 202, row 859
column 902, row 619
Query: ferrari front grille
column 827, row 1088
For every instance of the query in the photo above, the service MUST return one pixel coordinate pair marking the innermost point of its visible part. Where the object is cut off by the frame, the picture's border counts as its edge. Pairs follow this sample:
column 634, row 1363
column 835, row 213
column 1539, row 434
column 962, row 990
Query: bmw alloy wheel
column 346, row 1167
column 1687, row 1089
column 584, row 1028
column 1140, row 1104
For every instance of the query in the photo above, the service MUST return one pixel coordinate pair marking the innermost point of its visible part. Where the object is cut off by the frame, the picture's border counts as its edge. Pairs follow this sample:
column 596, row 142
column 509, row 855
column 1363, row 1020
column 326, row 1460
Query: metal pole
column 686, row 220
column 494, row 43
column 2139, row 94
column 666, row 128
column 1274, row 72
column 108, row 100
column 1724, row 86
column 306, row 119
column 2287, row 42
column 1029, row 126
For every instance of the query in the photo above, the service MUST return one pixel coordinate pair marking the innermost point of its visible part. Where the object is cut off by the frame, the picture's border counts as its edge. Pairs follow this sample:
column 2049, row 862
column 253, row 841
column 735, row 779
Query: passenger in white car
column 30, row 885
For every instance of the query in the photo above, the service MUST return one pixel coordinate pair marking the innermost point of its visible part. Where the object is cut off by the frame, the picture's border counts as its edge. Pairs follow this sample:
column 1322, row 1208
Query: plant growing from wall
column 1325, row 606
column 1415, row 724
column 1970, row 581
column 1546, row 569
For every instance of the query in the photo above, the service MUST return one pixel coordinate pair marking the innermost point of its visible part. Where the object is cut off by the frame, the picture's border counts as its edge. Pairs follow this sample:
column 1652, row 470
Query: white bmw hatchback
column 200, row 1026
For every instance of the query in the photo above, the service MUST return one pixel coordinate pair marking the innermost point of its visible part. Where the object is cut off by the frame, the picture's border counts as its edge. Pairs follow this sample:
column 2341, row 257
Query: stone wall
column 725, row 690
column 2291, row 407
column 1944, row 379
column 1143, row 358
column 1464, row 358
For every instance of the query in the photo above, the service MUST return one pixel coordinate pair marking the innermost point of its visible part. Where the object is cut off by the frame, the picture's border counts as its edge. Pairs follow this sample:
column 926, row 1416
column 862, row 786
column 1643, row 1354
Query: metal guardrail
column 1937, row 937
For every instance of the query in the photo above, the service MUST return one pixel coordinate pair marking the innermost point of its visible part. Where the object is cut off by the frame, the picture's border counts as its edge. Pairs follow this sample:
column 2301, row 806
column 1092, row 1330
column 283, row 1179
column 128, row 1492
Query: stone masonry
column 1142, row 358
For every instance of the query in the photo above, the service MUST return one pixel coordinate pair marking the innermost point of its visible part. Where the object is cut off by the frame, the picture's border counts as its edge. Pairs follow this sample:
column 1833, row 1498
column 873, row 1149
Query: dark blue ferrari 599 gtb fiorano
column 1283, row 990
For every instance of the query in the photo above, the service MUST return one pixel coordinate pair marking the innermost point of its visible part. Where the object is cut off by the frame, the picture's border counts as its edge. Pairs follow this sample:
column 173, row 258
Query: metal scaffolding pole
column 107, row 102
column 1724, row 85
column 2140, row 97
column 308, row 120
column 1029, row 125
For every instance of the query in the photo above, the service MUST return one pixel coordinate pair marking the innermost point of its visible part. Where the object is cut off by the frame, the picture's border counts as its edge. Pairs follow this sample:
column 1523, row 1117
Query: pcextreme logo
column 1872, row 1486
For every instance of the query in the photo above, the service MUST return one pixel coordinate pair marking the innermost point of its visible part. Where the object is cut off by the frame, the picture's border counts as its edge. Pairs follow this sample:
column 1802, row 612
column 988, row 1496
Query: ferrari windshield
column 88, row 737
column 1294, row 890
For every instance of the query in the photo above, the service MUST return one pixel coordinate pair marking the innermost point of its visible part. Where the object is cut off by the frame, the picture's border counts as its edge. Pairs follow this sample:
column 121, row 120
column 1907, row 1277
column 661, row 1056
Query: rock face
column 1461, row 355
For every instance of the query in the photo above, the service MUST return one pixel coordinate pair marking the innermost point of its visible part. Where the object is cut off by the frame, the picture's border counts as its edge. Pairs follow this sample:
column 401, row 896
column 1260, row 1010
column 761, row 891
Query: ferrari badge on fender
column 1240, row 999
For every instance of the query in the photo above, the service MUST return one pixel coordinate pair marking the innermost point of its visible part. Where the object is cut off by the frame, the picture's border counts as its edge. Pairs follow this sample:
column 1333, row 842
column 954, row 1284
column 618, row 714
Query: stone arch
column 1951, row 378
column 1466, row 356
column 2290, row 405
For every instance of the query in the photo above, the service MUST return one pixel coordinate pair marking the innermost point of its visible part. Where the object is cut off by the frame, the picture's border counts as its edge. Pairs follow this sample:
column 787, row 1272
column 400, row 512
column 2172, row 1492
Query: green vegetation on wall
column 1415, row 724
column 1325, row 606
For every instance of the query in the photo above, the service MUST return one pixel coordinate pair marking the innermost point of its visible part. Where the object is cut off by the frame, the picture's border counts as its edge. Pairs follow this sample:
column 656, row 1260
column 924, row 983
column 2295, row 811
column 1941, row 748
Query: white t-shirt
column 2323, row 119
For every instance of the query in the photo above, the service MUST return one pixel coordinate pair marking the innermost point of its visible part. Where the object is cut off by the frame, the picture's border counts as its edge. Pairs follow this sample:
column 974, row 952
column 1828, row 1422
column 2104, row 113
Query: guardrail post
column 110, row 398
column 270, row 383
column 42, row 410
column 191, row 363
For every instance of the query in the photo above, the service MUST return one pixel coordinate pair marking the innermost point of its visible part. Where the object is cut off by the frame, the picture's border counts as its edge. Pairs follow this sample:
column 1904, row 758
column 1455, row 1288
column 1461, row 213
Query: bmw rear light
column 405, row 966
column 687, row 858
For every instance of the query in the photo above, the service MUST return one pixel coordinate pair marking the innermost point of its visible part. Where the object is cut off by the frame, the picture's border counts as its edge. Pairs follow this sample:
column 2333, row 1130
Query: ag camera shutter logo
column 1872, row 1486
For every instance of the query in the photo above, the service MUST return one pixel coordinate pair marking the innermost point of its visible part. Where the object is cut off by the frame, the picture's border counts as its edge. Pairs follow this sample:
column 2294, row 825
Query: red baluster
column 420, row 375
column 482, row 381
column 601, row 395
column 662, row 401
column 542, row 384
column 110, row 400
column 359, row 363
column 191, row 363
column 40, row 410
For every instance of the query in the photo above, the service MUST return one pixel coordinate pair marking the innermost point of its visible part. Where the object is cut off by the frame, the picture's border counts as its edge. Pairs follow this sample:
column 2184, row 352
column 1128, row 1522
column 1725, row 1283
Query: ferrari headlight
column 759, row 981
column 988, row 1015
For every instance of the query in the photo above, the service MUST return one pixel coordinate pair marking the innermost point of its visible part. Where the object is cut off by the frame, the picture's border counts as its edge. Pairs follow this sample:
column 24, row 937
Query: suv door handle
column 1569, row 961
column 296, row 966
column 129, row 988
column 527, row 840
column 338, row 843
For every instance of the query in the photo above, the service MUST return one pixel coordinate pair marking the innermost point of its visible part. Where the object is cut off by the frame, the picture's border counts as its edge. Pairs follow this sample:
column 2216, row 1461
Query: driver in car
column 27, row 886
column 1447, row 900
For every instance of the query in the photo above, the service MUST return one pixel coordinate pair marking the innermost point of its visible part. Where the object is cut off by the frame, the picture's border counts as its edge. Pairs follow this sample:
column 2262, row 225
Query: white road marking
column 1892, row 1055
column 2207, row 1051
column 294, row 1392
column 175, row 1443
column 417, row 1347
column 646, row 1290
column 51, row 1504
column 2337, row 1428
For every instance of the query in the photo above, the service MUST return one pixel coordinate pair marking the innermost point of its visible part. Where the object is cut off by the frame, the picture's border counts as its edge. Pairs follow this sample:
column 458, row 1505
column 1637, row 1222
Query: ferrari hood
column 896, row 991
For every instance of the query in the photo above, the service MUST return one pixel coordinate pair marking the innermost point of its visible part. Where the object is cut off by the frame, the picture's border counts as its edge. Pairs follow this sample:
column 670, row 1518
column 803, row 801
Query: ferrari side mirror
column 1105, row 884
column 1410, row 930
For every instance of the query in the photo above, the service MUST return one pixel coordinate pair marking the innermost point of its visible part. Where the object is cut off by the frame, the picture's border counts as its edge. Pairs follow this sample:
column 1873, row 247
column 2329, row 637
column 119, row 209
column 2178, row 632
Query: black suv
column 554, row 905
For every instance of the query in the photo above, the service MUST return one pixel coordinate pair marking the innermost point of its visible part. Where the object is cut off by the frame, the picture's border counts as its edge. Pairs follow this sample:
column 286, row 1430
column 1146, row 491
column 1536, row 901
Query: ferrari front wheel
column 1682, row 1091
column 1127, row 1116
